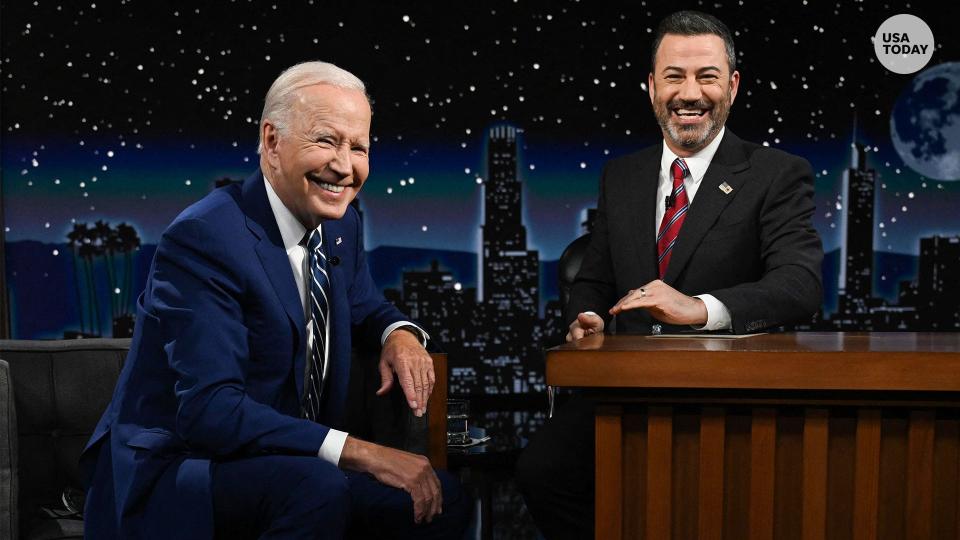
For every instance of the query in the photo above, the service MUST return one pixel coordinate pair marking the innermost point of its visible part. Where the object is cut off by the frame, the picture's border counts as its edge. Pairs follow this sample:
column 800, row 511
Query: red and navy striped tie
column 673, row 217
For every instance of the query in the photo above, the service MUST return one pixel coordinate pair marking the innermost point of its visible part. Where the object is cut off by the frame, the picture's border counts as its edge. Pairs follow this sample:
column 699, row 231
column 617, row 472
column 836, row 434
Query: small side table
column 487, row 471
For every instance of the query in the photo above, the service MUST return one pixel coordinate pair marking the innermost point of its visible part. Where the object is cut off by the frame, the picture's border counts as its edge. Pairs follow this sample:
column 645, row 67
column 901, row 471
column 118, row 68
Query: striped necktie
column 673, row 217
column 320, row 319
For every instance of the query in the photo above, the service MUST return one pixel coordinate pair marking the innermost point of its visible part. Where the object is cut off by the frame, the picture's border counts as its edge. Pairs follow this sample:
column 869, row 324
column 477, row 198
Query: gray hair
column 282, row 94
column 694, row 23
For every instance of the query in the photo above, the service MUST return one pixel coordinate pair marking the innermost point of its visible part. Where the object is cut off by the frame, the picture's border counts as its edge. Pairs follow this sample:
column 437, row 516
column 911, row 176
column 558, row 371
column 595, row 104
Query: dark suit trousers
column 556, row 472
column 305, row 497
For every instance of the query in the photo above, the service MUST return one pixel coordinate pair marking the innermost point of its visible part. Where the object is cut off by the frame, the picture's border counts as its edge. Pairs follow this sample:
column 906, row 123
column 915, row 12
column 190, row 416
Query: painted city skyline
column 134, row 128
column 495, row 310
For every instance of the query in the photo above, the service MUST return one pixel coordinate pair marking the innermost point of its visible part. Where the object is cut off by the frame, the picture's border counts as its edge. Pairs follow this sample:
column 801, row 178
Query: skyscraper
column 938, row 289
column 495, row 337
column 511, row 278
column 856, row 263
column 511, row 274
column 931, row 302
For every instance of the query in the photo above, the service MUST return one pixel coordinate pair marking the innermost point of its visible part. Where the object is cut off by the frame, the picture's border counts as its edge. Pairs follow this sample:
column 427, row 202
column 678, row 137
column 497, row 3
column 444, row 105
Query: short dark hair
column 694, row 23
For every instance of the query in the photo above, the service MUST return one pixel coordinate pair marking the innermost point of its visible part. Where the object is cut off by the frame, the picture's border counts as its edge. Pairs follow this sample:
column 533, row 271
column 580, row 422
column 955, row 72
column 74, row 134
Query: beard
column 688, row 136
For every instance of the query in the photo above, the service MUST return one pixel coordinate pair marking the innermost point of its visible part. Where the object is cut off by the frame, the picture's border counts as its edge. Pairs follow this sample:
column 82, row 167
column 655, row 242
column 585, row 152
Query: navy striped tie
column 320, row 318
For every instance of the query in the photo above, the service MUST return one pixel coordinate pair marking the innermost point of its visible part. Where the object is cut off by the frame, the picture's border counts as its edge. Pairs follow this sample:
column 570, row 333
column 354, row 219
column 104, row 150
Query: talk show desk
column 794, row 435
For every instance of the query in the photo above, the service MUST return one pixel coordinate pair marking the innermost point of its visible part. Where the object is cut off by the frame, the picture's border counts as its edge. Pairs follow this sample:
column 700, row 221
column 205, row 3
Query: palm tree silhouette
column 92, row 247
column 87, row 244
column 128, row 242
column 75, row 238
column 107, row 240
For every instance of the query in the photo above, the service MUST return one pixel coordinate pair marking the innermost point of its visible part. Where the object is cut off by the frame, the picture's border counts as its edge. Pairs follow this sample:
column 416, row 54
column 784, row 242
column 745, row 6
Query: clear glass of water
column 458, row 411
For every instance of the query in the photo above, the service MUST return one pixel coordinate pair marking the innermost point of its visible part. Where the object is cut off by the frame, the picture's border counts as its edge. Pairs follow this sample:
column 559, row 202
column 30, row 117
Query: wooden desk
column 806, row 435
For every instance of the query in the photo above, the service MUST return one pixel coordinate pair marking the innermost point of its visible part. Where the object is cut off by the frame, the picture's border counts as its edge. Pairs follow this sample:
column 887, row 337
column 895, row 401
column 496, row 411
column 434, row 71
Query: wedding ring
column 642, row 293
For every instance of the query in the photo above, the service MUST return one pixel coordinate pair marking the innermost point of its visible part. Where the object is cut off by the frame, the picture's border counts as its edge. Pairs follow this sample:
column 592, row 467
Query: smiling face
column 320, row 160
column 691, row 89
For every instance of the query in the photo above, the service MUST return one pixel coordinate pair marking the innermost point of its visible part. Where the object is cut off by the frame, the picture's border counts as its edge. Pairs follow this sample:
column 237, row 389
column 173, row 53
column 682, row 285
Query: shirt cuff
column 332, row 446
column 718, row 316
column 424, row 336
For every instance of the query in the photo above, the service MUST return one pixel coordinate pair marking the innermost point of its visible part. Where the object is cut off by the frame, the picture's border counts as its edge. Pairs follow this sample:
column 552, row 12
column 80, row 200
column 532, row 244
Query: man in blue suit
column 224, row 420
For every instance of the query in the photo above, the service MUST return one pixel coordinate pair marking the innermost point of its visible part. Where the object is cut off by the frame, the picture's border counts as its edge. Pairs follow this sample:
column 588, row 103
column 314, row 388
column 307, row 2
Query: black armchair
column 8, row 458
column 58, row 390
column 52, row 394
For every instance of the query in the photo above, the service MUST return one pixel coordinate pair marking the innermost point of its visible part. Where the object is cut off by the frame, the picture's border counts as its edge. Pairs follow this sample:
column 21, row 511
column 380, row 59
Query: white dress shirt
column 292, row 231
column 718, row 316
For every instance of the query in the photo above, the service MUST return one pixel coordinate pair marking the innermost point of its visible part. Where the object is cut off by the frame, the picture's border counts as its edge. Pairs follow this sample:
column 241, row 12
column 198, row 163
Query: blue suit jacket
column 216, row 364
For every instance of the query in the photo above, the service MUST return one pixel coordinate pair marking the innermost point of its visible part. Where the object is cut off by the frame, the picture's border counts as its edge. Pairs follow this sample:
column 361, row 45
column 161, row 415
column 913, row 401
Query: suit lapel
column 644, row 201
column 726, row 166
column 273, row 258
column 338, row 377
column 277, row 267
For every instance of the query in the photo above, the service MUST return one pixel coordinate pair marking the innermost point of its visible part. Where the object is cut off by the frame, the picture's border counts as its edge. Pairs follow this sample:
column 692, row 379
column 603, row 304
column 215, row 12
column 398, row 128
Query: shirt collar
column 291, row 230
column 697, row 163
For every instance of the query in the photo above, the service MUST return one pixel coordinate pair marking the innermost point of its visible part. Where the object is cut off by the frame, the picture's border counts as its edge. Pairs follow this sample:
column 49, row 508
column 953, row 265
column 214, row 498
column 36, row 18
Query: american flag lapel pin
column 339, row 240
column 725, row 188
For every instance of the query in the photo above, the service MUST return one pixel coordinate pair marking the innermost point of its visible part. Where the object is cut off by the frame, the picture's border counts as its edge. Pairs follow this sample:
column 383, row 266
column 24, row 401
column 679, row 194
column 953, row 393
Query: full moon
column 925, row 123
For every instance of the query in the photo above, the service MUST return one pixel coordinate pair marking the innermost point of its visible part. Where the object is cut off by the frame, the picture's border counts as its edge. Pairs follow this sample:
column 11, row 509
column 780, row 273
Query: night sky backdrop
column 128, row 111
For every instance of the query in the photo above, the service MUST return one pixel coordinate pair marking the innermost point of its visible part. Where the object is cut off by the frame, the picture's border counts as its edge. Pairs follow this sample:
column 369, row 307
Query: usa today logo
column 903, row 43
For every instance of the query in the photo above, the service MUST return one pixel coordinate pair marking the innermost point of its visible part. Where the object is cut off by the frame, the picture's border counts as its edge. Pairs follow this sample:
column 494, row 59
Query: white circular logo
column 904, row 43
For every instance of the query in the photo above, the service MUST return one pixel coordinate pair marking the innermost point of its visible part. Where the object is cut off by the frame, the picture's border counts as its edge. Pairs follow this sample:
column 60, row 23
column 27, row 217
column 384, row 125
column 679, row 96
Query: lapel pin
column 725, row 187
column 339, row 240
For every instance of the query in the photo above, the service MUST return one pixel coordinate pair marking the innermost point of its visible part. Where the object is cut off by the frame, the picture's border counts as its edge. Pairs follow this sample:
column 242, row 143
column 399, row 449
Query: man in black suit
column 704, row 232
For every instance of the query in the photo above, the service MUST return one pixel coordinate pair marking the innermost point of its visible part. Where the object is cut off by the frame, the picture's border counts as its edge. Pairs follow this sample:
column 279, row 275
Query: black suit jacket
column 754, row 249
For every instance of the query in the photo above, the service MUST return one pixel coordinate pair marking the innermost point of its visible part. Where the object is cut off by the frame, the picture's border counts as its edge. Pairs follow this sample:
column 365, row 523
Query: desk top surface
column 802, row 361
column 791, row 342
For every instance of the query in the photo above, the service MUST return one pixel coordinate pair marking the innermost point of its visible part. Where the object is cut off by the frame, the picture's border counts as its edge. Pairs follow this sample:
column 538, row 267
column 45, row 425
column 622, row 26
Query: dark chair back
column 8, row 456
column 569, row 266
column 387, row 420
column 60, row 388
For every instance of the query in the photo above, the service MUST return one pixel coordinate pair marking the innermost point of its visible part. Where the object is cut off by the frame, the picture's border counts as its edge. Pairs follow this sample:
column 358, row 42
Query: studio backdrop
column 492, row 122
